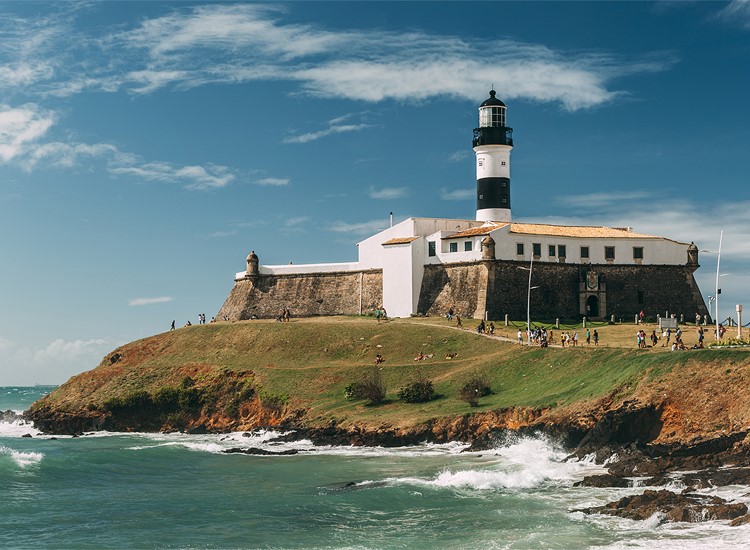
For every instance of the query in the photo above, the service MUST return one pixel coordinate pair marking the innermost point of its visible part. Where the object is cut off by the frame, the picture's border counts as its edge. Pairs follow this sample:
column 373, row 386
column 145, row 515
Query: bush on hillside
column 371, row 387
column 473, row 389
column 419, row 390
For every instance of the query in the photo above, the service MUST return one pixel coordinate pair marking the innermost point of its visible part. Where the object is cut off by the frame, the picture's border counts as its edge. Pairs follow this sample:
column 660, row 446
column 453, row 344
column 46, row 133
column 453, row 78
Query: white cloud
column 737, row 12
column 333, row 129
column 191, row 177
column 359, row 228
column 458, row 156
column 388, row 193
column 457, row 194
column 276, row 182
column 243, row 42
column 20, row 127
column 296, row 221
column 51, row 364
column 591, row 200
column 149, row 301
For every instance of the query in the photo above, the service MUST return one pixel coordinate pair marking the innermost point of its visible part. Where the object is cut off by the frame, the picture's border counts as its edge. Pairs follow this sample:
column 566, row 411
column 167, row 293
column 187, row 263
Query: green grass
column 308, row 363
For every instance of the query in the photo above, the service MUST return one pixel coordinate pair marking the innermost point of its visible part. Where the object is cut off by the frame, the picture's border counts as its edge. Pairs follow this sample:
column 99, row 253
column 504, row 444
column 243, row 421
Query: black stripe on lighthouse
column 493, row 193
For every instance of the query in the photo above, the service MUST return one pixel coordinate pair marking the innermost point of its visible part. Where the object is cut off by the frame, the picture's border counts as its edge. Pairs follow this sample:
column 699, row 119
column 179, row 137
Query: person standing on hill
column 596, row 338
column 588, row 336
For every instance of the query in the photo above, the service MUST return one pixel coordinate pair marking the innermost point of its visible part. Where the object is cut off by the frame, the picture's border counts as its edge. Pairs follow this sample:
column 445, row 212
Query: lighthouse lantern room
column 492, row 143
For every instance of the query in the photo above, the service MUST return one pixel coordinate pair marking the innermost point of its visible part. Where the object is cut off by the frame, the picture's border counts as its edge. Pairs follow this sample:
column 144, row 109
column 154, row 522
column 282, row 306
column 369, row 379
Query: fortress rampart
column 476, row 289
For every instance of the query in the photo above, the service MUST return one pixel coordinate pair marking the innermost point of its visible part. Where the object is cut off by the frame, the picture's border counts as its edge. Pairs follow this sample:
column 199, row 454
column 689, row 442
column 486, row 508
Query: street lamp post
column 528, row 302
column 716, row 296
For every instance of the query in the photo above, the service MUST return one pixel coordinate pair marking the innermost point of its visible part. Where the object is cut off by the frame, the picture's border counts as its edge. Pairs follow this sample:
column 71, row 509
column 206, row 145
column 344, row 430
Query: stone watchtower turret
column 692, row 256
column 488, row 248
column 253, row 269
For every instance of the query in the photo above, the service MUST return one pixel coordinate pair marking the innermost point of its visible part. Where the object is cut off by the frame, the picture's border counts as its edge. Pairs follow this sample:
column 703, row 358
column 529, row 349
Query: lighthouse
column 492, row 143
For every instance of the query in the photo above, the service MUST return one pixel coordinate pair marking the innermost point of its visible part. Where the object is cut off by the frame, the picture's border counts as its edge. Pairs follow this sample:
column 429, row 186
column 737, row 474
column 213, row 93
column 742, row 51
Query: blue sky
column 147, row 147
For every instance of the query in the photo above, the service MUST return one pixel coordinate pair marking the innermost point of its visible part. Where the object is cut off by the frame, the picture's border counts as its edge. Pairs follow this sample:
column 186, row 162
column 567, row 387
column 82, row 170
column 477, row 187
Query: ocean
column 118, row 490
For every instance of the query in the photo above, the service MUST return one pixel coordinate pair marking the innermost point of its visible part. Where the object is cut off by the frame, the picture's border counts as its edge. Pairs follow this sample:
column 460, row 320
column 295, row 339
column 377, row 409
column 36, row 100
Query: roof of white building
column 577, row 231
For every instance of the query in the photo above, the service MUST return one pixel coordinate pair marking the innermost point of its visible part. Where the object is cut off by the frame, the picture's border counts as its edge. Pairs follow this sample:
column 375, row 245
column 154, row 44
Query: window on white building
column 584, row 252
column 431, row 248
column 609, row 252
column 519, row 249
column 551, row 250
column 453, row 247
column 467, row 246
column 537, row 249
column 561, row 250
column 637, row 252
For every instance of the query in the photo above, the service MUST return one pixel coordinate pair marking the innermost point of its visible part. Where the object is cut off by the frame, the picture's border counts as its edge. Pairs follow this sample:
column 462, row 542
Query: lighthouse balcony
column 493, row 135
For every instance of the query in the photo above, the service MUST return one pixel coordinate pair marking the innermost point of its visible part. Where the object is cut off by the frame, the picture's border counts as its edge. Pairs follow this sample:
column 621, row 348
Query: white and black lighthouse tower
column 493, row 141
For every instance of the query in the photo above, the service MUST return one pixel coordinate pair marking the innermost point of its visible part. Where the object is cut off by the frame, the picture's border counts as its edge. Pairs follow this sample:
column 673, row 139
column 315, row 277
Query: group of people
column 285, row 316
column 380, row 314
column 484, row 329
column 201, row 321
column 543, row 337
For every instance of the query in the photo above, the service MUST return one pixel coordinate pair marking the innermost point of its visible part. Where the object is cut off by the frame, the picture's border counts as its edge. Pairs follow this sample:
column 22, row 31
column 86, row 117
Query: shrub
column 166, row 398
column 371, row 387
column 419, row 391
column 475, row 387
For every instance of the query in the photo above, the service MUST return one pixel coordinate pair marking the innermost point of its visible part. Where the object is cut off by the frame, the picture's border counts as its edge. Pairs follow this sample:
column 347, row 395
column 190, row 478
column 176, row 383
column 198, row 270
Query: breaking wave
column 22, row 459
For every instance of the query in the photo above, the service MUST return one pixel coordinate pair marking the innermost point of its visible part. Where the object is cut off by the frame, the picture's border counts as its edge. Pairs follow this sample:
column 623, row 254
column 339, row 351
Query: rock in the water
column 683, row 507
column 742, row 520
column 603, row 480
column 261, row 452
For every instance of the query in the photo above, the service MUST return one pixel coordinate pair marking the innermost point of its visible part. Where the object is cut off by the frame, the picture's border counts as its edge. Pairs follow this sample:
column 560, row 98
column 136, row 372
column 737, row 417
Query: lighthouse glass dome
column 491, row 117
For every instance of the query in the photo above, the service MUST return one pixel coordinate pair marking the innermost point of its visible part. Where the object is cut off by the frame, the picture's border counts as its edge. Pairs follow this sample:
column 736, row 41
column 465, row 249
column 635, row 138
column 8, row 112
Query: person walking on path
column 596, row 338
column 588, row 336
column 172, row 327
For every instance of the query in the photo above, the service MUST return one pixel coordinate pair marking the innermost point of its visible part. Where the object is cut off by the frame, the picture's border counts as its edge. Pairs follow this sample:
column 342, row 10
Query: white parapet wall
column 303, row 269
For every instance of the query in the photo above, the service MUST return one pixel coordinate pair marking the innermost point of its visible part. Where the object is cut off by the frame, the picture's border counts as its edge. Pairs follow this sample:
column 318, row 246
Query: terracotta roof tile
column 400, row 240
column 577, row 231
column 476, row 231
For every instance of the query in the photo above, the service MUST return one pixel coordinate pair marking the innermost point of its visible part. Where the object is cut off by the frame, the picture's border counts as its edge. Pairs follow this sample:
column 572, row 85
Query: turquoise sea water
column 180, row 491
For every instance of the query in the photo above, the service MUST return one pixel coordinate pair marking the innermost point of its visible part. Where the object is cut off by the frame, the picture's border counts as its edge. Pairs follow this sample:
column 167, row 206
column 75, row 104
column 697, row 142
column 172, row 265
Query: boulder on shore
column 691, row 508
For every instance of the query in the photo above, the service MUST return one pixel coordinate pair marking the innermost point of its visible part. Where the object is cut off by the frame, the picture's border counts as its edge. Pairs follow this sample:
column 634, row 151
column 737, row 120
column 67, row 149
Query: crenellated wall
column 305, row 295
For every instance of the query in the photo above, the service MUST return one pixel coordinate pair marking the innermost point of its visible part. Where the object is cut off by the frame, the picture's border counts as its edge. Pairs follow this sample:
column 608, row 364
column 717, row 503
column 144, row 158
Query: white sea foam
column 18, row 428
column 526, row 464
column 21, row 458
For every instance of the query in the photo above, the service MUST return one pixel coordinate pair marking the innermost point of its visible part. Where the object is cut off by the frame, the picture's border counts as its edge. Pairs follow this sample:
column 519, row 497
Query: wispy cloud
column 458, row 156
column 737, row 12
column 335, row 126
column 20, row 127
column 457, row 194
column 359, row 228
column 191, row 177
column 276, row 182
column 590, row 200
column 388, row 193
column 195, row 46
column 150, row 301
column 296, row 221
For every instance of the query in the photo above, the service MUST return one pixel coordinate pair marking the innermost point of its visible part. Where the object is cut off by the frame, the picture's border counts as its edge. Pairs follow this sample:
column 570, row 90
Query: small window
column 453, row 247
column 481, row 197
column 480, row 162
column 609, row 252
column 584, row 252
column 519, row 249
column 503, row 184
column 504, row 201
column 502, row 163
column 552, row 250
column 430, row 248
column 467, row 246
column 561, row 250
column 637, row 252
column 537, row 247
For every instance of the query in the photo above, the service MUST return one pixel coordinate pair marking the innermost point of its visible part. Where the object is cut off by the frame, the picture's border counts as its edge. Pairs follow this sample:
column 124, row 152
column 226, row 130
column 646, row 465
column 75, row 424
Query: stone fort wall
column 500, row 287
column 474, row 288
column 305, row 295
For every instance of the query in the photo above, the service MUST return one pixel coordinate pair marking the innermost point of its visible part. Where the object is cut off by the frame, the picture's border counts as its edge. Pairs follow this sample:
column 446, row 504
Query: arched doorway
column 592, row 306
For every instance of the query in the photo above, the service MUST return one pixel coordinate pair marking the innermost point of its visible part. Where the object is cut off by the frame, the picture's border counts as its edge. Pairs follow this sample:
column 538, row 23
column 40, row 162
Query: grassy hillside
column 307, row 363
